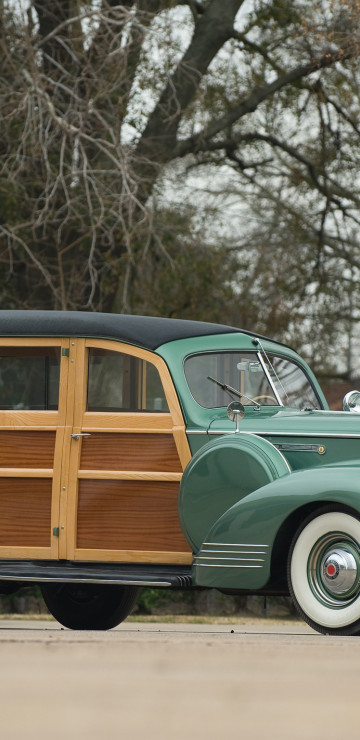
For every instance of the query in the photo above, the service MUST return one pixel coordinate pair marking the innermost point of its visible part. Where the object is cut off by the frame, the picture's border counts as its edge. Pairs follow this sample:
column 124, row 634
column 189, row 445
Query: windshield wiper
column 229, row 389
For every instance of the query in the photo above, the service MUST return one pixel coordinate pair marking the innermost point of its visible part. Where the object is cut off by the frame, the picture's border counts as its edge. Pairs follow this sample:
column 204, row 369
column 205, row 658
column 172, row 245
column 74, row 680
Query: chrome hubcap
column 339, row 571
column 334, row 570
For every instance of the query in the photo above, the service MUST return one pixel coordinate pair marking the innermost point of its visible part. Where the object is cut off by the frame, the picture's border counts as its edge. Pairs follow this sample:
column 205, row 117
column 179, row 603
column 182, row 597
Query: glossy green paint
column 275, row 421
column 256, row 520
column 238, row 490
column 222, row 473
column 337, row 432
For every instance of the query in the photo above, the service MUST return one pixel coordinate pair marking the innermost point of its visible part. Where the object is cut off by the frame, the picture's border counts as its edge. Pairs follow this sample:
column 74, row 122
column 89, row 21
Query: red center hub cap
column 340, row 571
column 331, row 570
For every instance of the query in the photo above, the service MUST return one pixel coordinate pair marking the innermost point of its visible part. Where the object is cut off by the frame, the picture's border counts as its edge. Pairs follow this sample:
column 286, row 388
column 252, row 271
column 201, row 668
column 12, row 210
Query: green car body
column 193, row 455
column 248, row 489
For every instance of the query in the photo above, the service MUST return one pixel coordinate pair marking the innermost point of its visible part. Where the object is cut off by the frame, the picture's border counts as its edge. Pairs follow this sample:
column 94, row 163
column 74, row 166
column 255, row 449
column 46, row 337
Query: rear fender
column 237, row 550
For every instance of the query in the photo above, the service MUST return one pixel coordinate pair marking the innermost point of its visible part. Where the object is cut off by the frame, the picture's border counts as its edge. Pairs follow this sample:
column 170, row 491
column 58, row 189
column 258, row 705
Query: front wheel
column 324, row 573
column 88, row 606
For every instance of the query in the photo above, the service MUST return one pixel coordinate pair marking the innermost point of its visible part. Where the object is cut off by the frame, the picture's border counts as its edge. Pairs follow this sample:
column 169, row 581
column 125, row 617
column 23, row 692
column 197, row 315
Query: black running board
column 46, row 571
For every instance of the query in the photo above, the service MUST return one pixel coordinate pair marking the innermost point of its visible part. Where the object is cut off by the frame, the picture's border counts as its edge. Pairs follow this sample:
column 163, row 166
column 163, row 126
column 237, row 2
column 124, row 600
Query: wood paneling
column 27, row 449
column 129, row 515
column 137, row 421
column 112, row 502
column 25, row 512
column 122, row 475
column 135, row 556
column 150, row 452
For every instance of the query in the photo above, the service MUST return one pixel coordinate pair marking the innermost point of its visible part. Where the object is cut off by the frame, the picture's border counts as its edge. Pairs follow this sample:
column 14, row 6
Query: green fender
column 236, row 552
column 221, row 473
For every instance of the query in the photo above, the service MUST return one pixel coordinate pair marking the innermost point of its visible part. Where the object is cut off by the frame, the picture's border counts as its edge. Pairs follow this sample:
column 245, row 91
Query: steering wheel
column 265, row 398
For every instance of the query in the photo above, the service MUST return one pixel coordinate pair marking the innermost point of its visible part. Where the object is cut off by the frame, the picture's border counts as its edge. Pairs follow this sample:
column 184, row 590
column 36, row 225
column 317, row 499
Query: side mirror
column 351, row 402
column 236, row 412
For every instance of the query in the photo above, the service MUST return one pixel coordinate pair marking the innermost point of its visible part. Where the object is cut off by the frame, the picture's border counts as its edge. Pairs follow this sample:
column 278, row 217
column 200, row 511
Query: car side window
column 121, row 382
column 29, row 378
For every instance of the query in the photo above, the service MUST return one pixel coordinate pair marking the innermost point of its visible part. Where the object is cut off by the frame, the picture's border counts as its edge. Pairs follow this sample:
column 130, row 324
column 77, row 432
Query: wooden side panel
column 27, row 449
column 129, row 515
column 25, row 512
column 155, row 452
column 136, row 421
column 31, row 460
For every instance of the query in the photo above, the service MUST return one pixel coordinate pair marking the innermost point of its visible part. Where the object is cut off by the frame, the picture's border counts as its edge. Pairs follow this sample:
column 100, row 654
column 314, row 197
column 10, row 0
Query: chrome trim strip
column 231, row 544
column 78, row 579
column 196, row 431
column 296, row 447
column 291, row 434
column 211, row 565
column 248, row 560
column 236, row 552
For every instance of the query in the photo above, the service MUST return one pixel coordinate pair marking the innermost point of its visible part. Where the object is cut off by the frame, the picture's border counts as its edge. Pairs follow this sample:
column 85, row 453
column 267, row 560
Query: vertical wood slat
column 72, row 448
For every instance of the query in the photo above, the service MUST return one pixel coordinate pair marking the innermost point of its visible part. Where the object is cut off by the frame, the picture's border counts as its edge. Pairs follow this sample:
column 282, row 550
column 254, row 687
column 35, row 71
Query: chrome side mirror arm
column 235, row 412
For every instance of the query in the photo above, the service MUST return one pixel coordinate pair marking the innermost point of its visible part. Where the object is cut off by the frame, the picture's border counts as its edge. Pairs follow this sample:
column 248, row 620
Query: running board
column 122, row 574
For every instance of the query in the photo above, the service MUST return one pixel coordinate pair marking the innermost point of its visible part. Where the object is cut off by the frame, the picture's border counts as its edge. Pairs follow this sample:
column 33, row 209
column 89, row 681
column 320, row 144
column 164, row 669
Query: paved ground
column 177, row 682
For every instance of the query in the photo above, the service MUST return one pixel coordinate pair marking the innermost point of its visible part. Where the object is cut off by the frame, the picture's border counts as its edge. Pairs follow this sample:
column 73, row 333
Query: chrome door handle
column 80, row 434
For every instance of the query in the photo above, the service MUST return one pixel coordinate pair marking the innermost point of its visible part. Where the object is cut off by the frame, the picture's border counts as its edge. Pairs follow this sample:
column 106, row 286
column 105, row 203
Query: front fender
column 236, row 552
column 220, row 474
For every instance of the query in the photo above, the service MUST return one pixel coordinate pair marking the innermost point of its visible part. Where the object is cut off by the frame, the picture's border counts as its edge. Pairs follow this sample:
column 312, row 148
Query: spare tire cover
column 219, row 475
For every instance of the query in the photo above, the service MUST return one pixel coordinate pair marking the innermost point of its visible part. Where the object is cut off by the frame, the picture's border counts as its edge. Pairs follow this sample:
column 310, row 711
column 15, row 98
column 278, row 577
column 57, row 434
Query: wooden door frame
column 27, row 420
column 171, row 422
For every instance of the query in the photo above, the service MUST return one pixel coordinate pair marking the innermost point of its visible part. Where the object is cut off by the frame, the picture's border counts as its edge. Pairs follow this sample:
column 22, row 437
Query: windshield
column 216, row 378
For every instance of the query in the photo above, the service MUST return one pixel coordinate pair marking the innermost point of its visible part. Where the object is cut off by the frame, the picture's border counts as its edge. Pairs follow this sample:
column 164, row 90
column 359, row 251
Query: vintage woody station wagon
column 140, row 451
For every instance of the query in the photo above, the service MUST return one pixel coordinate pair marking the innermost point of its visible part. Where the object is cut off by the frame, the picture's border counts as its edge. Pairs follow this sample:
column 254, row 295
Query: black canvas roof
column 143, row 331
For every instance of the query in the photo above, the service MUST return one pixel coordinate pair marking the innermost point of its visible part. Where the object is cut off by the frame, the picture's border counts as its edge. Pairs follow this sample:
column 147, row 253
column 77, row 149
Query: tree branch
column 212, row 30
column 324, row 188
column 257, row 48
column 249, row 105
column 343, row 113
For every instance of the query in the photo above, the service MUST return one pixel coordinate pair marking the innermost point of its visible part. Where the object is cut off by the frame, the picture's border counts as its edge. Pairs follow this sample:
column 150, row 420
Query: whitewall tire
column 324, row 572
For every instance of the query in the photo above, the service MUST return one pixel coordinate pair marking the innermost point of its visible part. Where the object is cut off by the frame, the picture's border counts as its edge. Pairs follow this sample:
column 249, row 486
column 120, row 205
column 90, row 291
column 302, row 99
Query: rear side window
column 29, row 378
column 120, row 382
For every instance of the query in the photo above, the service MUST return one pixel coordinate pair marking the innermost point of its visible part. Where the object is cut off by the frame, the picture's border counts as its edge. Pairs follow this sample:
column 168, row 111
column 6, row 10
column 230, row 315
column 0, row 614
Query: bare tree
column 98, row 101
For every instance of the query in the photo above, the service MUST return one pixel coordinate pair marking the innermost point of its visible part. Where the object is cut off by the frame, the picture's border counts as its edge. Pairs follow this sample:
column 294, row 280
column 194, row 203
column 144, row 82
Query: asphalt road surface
column 177, row 682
